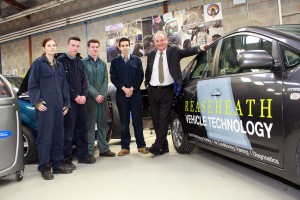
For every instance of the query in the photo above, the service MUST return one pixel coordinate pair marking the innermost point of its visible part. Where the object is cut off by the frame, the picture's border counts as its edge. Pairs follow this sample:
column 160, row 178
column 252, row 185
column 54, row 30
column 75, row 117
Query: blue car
column 28, row 118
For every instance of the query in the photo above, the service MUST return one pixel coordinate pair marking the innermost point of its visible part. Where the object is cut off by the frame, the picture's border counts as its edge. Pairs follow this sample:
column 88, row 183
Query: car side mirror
column 255, row 59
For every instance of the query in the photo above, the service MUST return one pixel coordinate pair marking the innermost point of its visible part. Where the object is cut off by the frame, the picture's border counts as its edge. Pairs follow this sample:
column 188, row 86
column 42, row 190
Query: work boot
column 63, row 169
column 87, row 160
column 47, row 173
column 108, row 153
column 69, row 162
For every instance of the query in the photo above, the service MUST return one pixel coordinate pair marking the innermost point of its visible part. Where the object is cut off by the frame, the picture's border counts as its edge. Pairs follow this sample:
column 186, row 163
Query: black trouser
column 160, row 101
column 75, row 124
column 134, row 105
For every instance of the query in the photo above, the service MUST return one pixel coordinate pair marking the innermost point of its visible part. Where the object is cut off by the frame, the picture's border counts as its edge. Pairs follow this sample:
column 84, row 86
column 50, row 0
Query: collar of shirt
column 163, row 52
column 123, row 56
column 154, row 81
column 92, row 59
column 71, row 57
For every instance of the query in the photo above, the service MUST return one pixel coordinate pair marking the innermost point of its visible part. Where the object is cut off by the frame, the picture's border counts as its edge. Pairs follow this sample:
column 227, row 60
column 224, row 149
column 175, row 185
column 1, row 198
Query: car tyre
column 30, row 151
column 178, row 137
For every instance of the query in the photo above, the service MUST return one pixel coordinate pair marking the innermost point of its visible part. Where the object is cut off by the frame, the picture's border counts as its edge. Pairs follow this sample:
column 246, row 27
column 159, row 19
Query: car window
column 291, row 58
column 15, row 82
column 232, row 46
column 203, row 66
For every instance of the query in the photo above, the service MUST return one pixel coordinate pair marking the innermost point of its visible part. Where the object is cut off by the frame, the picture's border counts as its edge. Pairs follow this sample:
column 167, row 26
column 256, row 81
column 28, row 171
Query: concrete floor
column 200, row 175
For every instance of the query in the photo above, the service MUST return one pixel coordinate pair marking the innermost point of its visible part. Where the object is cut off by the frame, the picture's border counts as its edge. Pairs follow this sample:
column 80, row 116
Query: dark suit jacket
column 174, row 55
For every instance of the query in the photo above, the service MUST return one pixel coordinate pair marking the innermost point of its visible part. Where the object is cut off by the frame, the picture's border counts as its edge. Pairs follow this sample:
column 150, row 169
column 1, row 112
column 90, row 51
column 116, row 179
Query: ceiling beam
column 15, row 4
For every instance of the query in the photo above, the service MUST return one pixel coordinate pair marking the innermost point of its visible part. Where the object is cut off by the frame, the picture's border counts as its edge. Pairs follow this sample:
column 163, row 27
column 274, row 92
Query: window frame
column 198, row 58
column 217, row 62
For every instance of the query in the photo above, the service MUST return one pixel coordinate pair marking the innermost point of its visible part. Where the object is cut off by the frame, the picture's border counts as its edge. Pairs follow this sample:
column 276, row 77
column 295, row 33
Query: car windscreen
column 15, row 82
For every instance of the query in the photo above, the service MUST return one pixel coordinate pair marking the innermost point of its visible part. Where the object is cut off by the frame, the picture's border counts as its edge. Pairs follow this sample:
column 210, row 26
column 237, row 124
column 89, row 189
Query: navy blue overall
column 49, row 85
column 129, row 74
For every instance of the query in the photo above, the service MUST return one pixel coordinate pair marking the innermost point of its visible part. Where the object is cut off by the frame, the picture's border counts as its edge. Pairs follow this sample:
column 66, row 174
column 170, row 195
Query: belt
column 162, row 86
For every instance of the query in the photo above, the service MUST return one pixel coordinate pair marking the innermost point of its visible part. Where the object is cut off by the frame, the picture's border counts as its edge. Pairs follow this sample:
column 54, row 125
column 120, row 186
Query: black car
column 241, row 99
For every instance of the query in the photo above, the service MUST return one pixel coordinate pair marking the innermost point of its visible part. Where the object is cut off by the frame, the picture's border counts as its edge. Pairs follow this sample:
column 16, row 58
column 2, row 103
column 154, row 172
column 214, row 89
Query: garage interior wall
column 15, row 54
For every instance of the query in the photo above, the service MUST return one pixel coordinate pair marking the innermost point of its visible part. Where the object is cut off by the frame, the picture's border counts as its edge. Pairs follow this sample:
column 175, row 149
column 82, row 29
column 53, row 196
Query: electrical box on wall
column 235, row 2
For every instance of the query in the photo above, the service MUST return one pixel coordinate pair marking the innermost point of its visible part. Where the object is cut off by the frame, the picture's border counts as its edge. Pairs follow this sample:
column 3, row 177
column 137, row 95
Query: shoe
column 165, row 150
column 152, row 151
column 108, row 153
column 47, row 173
column 63, row 169
column 87, row 160
column 143, row 150
column 124, row 152
column 69, row 162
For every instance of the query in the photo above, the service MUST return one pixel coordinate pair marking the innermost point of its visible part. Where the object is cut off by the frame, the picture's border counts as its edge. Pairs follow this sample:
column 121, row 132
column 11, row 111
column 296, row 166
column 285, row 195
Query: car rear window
column 290, row 57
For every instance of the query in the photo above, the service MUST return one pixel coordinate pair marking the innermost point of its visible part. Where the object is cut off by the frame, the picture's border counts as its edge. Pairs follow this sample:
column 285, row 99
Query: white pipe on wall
column 248, row 13
column 117, row 8
column 36, row 9
column 279, row 12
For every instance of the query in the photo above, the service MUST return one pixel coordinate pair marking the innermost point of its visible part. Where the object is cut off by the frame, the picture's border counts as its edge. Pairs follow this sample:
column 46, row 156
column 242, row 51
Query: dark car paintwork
column 278, row 84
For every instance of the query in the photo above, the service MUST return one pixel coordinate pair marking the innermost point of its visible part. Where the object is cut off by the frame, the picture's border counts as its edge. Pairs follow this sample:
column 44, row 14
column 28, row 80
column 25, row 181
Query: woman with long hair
column 48, row 92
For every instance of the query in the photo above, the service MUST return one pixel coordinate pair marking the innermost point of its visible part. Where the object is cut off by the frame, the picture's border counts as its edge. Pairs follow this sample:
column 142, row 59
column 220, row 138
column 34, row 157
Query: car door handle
column 216, row 93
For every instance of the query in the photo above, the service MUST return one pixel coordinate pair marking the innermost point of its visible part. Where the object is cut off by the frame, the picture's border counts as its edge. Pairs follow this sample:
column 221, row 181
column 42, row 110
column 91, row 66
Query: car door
column 243, row 107
column 201, row 68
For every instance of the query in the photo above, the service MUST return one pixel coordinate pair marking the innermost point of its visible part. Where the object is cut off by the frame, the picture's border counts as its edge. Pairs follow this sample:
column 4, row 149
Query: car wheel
column 178, row 137
column 30, row 152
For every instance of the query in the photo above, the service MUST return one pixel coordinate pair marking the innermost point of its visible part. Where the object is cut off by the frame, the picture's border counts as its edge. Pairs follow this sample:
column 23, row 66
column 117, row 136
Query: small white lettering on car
column 293, row 89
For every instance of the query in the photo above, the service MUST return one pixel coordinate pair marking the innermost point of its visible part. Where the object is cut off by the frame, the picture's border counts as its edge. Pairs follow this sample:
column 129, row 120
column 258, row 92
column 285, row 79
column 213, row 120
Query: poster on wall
column 113, row 32
column 148, row 41
column 133, row 31
column 213, row 12
column 6, row 72
column 15, row 72
column 185, row 28
column 195, row 30
column 22, row 71
column 192, row 29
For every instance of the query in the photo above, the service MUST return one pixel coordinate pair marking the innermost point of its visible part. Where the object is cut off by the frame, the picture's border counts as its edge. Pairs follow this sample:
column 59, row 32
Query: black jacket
column 174, row 55
column 127, row 74
column 76, row 77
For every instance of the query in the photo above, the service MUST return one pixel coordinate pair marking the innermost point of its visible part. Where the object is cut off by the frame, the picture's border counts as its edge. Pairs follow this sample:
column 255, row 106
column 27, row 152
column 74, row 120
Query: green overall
column 97, row 113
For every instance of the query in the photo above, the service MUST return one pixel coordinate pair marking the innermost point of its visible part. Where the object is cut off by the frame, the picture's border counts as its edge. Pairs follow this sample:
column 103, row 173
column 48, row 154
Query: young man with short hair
column 75, row 121
column 126, row 73
column 96, row 72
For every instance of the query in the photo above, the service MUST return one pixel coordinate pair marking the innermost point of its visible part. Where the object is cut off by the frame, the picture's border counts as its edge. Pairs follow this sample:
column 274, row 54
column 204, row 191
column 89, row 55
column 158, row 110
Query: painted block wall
column 259, row 13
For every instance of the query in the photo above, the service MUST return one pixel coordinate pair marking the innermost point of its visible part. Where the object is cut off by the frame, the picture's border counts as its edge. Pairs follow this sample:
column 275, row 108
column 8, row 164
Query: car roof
column 287, row 34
